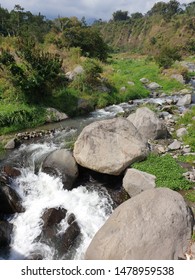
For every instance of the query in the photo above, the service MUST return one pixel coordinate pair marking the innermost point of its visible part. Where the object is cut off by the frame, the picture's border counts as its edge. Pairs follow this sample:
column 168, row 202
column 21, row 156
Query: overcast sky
column 89, row 8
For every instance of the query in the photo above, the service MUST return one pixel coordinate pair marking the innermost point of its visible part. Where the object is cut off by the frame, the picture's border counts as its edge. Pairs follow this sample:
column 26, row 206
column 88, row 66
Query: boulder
column 136, row 181
column 154, row 225
column 53, row 115
column 148, row 124
column 61, row 163
column 10, row 202
column 5, row 233
column 109, row 146
column 185, row 100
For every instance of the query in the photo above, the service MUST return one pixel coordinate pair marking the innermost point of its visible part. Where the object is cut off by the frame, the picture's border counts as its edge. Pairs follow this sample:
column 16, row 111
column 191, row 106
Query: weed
column 168, row 173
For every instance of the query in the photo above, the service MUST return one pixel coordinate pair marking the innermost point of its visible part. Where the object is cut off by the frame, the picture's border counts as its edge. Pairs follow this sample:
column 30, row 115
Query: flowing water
column 90, row 203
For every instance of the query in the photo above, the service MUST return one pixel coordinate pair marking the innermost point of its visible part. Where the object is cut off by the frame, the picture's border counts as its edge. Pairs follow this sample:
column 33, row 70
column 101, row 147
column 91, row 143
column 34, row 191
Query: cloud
column 88, row 8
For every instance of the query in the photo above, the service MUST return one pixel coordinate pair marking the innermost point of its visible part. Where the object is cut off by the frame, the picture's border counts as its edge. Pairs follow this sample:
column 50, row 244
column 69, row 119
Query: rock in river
column 154, row 225
column 109, row 146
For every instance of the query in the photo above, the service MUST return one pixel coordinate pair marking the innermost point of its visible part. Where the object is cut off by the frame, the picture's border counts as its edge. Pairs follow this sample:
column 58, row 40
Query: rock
column 131, row 83
column 123, row 89
column 181, row 132
column 184, row 100
column 84, row 106
column 61, row 163
column 154, row 225
column 144, row 80
column 178, row 77
column 12, row 144
column 148, row 124
column 68, row 238
column 136, row 181
column 185, row 91
column 71, row 218
column 176, row 145
column 53, row 216
column 78, row 70
column 11, row 171
column 153, row 86
column 54, row 115
column 5, row 233
column 109, row 146
column 10, row 202
column 186, row 150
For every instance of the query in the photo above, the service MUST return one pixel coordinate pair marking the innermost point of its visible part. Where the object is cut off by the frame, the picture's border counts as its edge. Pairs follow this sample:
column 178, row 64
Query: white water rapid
column 40, row 191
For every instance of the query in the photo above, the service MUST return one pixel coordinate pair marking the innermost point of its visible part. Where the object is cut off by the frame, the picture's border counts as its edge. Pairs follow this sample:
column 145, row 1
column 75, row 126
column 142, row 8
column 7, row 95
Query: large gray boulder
column 109, row 146
column 148, row 124
column 154, row 225
column 61, row 163
column 136, row 181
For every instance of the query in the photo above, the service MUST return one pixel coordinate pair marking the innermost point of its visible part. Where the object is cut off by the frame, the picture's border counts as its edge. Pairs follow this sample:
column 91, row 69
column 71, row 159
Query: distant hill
column 169, row 24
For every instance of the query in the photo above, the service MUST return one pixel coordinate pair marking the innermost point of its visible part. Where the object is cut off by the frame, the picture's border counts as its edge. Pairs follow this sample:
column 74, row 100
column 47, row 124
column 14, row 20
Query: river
column 90, row 202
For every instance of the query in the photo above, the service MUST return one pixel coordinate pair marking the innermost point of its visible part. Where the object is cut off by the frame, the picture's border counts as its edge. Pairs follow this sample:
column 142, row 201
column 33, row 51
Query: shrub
column 167, row 57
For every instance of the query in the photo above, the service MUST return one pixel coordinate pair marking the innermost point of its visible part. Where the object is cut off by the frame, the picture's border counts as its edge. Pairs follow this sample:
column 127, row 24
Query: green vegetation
column 188, row 120
column 18, row 116
column 190, row 196
column 36, row 53
column 168, row 173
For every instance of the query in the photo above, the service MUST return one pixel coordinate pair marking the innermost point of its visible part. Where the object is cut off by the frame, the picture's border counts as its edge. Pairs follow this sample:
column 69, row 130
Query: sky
column 88, row 8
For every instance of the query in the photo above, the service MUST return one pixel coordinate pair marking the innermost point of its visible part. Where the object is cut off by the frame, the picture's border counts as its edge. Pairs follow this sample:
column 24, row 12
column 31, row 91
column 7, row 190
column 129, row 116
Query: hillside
column 150, row 32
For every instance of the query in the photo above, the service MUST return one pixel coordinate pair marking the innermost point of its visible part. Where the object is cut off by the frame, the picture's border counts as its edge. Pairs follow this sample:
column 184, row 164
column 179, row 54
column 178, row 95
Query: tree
column 120, row 15
column 136, row 16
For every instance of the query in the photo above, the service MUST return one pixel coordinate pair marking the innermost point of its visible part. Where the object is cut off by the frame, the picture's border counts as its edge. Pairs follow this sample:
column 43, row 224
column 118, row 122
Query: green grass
column 168, row 173
column 187, row 158
column 133, row 70
column 186, row 120
column 16, row 116
column 190, row 196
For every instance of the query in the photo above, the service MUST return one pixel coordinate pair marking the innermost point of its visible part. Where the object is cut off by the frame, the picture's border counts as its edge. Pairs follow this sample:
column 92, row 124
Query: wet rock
column 53, row 216
column 10, row 202
column 109, row 146
column 5, row 233
column 34, row 256
column 154, row 225
column 136, row 181
column 68, row 238
column 71, row 218
column 61, row 163
column 11, row 171
column 12, row 144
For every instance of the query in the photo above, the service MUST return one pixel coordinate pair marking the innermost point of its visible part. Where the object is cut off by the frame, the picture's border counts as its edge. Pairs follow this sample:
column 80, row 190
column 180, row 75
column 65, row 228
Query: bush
column 167, row 57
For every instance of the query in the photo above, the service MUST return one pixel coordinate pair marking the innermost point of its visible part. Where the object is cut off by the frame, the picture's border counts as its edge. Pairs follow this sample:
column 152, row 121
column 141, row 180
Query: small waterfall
column 40, row 191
